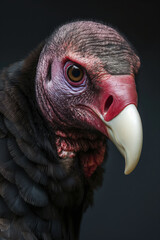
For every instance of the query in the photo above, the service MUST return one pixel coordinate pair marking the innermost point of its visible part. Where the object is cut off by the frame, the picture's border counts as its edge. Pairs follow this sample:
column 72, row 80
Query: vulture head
column 85, row 88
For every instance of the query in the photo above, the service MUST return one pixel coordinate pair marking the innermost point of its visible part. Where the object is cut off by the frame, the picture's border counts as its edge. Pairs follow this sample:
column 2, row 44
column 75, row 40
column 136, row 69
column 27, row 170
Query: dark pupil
column 76, row 72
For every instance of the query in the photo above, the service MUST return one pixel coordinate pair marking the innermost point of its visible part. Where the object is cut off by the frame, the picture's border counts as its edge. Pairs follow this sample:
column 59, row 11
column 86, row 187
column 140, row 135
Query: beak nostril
column 108, row 104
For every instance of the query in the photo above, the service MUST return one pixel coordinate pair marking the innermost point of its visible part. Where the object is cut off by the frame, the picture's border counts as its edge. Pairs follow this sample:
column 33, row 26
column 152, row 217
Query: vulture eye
column 74, row 73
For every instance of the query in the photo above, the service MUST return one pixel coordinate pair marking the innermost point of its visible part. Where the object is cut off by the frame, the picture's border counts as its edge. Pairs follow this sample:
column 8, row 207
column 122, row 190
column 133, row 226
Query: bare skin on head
column 109, row 65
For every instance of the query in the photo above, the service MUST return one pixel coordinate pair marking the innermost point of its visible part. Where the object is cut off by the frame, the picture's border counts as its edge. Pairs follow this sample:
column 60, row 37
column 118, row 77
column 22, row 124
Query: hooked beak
column 125, row 131
column 117, row 109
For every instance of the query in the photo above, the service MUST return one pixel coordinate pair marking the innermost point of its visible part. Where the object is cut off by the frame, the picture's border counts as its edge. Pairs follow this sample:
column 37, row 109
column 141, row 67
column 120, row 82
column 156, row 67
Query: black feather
column 31, row 192
column 10, row 194
column 31, row 169
column 4, row 210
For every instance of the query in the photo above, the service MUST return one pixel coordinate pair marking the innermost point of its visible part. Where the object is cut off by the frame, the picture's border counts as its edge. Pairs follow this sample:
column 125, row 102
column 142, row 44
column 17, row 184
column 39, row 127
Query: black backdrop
column 126, row 207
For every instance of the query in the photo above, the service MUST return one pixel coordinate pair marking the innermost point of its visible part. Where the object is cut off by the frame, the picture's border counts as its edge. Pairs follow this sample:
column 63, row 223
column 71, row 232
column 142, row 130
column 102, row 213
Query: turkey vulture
column 58, row 107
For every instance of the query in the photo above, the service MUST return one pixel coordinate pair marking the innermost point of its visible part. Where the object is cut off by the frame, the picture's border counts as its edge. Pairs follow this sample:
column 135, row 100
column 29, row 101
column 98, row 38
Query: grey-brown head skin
column 90, row 39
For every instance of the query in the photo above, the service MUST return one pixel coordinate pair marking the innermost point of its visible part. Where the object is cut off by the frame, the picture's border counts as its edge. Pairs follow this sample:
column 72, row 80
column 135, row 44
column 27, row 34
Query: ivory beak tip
column 127, row 171
column 130, row 164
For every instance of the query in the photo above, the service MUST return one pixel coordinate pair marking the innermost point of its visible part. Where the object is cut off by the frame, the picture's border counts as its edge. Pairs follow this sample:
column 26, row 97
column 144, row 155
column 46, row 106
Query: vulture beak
column 125, row 131
column 117, row 101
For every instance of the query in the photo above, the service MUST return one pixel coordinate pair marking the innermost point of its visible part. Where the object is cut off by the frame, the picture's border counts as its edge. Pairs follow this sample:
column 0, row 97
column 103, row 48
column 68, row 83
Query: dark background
column 126, row 207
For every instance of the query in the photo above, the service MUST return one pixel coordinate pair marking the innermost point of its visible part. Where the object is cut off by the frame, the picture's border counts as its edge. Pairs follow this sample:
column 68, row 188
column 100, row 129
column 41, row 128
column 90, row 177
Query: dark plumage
column 43, row 191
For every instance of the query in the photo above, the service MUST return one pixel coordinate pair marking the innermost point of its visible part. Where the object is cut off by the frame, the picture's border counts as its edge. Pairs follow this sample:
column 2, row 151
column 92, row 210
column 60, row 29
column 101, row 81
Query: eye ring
column 74, row 73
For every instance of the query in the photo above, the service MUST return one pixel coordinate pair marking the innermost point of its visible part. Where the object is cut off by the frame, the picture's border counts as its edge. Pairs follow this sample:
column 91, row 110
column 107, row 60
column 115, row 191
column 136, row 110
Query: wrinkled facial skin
column 101, row 52
column 62, row 98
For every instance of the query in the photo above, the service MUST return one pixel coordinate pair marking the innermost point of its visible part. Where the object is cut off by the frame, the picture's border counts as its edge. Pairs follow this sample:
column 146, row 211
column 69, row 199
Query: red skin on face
column 122, row 91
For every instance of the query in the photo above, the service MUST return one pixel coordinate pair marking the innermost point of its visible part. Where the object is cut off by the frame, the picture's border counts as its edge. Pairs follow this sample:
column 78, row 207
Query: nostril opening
column 108, row 104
